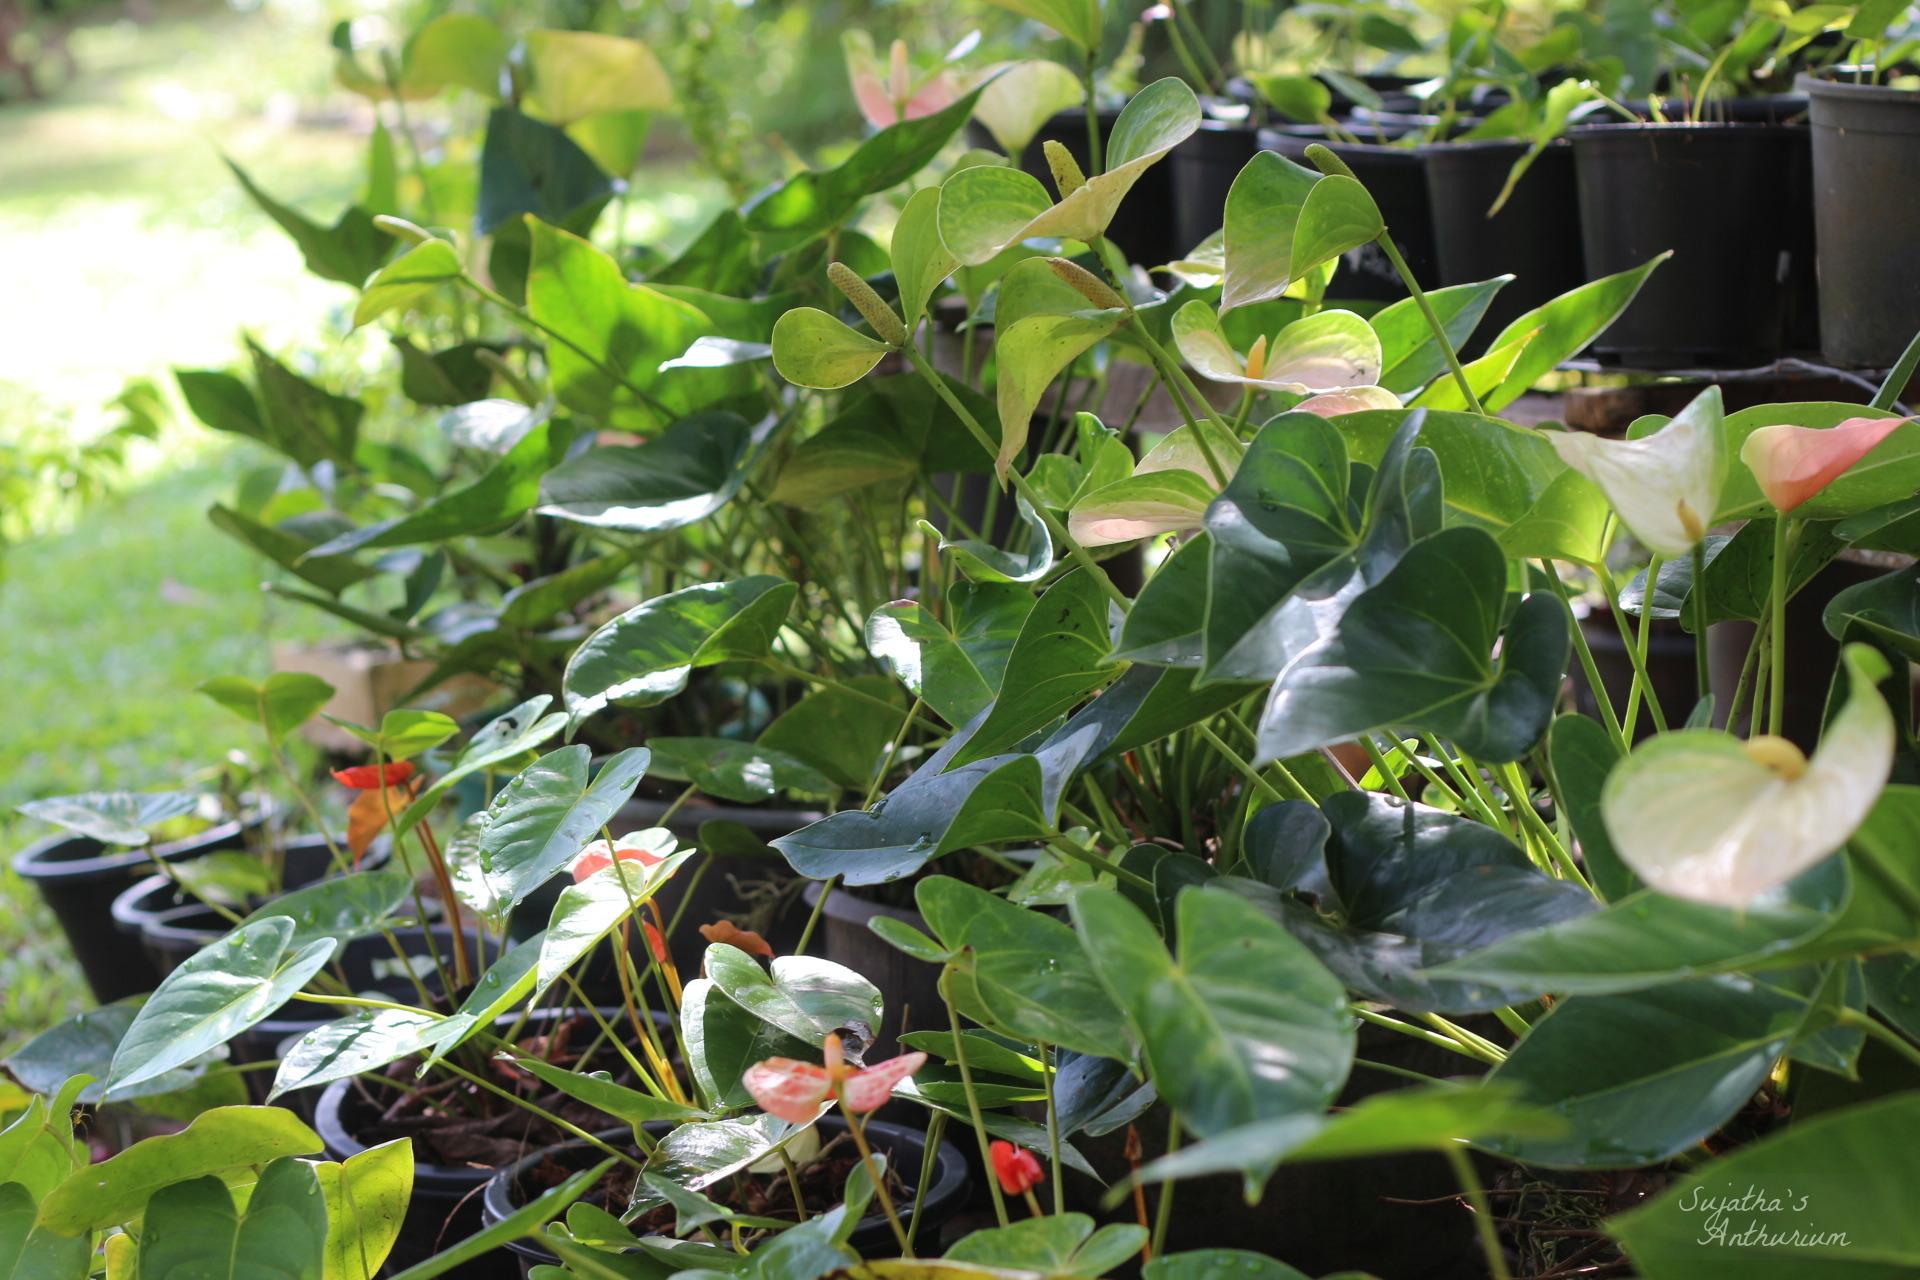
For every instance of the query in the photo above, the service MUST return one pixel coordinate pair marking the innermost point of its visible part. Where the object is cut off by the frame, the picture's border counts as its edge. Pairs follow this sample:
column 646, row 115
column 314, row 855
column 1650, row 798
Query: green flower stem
column 1433, row 779
column 1385, row 241
column 893, row 750
column 936, row 1130
column 1587, row 665
column 877, row 1176
column 1163, row 1205
column 1075, row 552
column 813, row 917
column 1639, row 645
column 1879, row 1031
column 1777, row 608
column 1702, row 666
column 1049, row 1059
column 1482, row 1211
column 1387, row 775
column 1433, row 1038
column 1294, row 791
column 1481, row 1046
column 1516, row 783
column 1642, row 683
column 361, row 1002
column 973, row 1102
column 613, row 1037
column 1067, row 847
column 1511, row 1020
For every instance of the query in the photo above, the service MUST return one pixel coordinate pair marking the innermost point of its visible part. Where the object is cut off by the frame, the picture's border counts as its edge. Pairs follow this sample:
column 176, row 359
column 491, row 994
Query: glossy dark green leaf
column 1021, row 972
column 1886, row 609
column 506, row 737
column 1243, row 1025
column 453, row 375
column 290, row 550
column 1060, row 657
column 118, row 1188
column 1646, row 938
column 540, row 821
column 1410, row 354
column 348, row 251
column 193, row 1229
column 1820, row 1200
column 1889, row 473
column 216, row 993
column 362, row 1040
column 743, row 772
column 1739, row 574
column 1399, row 889
column 722, row 1040
column 643, row 657
column 688, row 472
column 342, row 907
column 302, row 420
column 925, row 656
column 1416, row 651
column 811, row 202
column 1641, row 1077
column 83, row 1045
column 529, row 166
column 842, row 731
column 805, row 997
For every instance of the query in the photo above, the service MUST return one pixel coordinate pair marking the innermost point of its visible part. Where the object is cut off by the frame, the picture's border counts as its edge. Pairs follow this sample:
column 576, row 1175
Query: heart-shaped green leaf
column 364, row 1040
column 814, row 349
column 415, row 274
column 1243, row 1025
column 805, row 997
column 643, row 656
column 1020, row 98
column 1059, row 657
column 1282, row 220
column 366, row 1197
column 1410, row 353
column 340, row 907
column 540, row 821
column 584, row 73
column 1042, row 324
column 505, row 738
column 113, row 817
column 1062, row 1245
column 280, row 704
column 1077, row 20
column 722, row 1040
column 192, row 1227
column 681, row 477
column 920, row 258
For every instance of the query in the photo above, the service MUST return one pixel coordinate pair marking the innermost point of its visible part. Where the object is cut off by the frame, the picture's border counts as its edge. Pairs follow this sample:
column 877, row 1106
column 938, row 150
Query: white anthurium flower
column 1700, row 814
column 1665, row 486
column 1324, row 352
column 1168, row 492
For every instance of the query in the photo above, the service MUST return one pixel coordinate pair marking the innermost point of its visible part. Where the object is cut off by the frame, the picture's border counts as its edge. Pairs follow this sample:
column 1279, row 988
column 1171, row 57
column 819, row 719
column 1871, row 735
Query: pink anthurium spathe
column 887, row 99
column 1793, row 463
column 794, row 1091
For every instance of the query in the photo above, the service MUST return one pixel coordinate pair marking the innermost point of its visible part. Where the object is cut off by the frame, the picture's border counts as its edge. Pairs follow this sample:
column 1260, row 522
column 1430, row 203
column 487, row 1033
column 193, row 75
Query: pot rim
column 949, row 1181
column 1821, row 84
column 39, row 861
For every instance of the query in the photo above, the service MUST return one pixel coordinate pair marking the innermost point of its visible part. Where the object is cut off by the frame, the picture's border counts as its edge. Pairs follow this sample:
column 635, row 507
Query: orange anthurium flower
column 1017, row 1168
column 1793, row 464
column 599, row 855
column 734, row 936
column 369, row 777
column 794, row 1090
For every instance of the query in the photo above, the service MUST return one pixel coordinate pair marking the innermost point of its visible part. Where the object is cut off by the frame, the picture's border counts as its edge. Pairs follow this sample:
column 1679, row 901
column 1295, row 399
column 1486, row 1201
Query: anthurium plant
column 1203, row 778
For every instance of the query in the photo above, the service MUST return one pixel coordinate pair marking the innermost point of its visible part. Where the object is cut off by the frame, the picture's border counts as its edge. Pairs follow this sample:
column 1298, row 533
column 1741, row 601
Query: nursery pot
column 1396, row 178
column 903, row 1146
column 910, row 988
column 79, row 878
column 1204, row 167
column 1535, row 237
column 1866, row 204
column 1328, row 1215
column 1734, row 203
column 445, row 1208
column 1144, row 227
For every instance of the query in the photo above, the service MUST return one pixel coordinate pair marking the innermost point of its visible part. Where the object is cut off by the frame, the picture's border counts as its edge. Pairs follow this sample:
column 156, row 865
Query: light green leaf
column 418, row 273
column 112, row 817
column 366, row 1197
column 813, row 349
column 1561, row 328
column 506, row 737
column 1282, row 220
column 280, row 704
column 920, row 257
column 340, row 907
column 584, row 73
column 1077, row 20
column 193, row 1229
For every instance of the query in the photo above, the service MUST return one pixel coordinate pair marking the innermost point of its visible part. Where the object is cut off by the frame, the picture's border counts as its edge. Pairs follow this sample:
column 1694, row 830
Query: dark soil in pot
column 1325, row 1216
column 1396, row 177
column 1734, row 203
column 1535, row 237
column 1866, row 203
column 79, row 878
column 1144, row 228
column 761, row 1195
column 909, row 987
column 1204, row 167
column 451, row 1164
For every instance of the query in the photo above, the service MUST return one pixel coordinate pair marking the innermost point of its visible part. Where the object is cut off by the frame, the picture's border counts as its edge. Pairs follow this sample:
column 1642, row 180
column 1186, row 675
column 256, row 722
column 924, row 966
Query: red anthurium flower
column 369, row 777
column 599, row 855
column 1017, row 1168
column 655, row 943
column 794, row 1090
column 734, row 936
column 1793, row 464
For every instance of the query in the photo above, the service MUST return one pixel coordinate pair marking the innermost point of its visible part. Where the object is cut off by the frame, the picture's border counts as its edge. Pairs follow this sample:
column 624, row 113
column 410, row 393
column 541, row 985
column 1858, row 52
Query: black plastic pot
column 1397, row 179
column 1204, row 167
column 446, row 1204
column 1328, row 1215
column 903, row 1147
column 1144, row 227
column 79, row 879
column 1866, row 204
column 1535, row 237
column 910, row 988
column 1734, row 203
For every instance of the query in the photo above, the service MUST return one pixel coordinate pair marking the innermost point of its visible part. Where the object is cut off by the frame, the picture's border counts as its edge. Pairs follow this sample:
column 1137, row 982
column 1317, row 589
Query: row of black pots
column 80, row 878
column 1736, row 199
